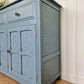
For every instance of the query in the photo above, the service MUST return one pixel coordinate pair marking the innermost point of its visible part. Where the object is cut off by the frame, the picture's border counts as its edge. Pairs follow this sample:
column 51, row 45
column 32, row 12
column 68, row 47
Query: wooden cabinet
column 21, row 13
column 3, row 49
column 30, row 41
column 21, row 44
column 2, row 19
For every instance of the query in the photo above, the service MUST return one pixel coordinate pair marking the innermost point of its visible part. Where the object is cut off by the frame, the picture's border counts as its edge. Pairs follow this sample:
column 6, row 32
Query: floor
column 6, row 80
column 62, row 82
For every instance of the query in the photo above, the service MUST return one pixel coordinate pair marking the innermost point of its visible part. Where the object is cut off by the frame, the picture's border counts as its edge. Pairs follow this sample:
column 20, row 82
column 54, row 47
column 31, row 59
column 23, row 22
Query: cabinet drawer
column 24, row 12
column 2, row 18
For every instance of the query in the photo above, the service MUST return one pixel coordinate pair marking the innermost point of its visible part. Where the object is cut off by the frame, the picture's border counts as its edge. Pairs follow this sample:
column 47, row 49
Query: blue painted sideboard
column 30, row 41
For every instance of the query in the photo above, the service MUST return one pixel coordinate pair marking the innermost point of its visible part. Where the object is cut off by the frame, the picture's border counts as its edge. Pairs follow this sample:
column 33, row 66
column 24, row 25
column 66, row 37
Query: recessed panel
column 50, row 30
column 48, row 70
column 27, row 65
column 3, row 58
column 2, row 40
column 26, row 40
column 2, row 18
column 15, row 63
column 14, row 41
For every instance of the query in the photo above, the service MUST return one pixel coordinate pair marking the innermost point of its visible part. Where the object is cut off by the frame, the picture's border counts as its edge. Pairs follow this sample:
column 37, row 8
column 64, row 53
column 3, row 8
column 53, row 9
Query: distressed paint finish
column 50, row 42
column 21, row 43
column 29, row 41
column 3, row 47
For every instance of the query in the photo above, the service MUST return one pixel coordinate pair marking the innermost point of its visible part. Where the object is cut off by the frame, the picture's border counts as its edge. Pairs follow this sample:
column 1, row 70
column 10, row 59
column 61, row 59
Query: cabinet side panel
column 50, row 30
column 50, row 43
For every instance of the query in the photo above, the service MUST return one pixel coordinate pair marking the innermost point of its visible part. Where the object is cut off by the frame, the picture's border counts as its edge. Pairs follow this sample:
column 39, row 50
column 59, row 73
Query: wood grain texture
column 62, row 82
column 6, row 80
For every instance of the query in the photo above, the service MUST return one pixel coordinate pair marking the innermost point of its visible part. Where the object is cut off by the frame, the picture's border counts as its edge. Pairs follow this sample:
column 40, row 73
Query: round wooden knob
column 17, row 14
column 8, row 51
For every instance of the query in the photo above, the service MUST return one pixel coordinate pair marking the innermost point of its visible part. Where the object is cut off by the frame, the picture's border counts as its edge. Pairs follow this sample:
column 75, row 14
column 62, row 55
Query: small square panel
column 2, row 40
column 26, row 40
column 14, row 41
column 27, row 65
column 3, row 60
column 16, row 63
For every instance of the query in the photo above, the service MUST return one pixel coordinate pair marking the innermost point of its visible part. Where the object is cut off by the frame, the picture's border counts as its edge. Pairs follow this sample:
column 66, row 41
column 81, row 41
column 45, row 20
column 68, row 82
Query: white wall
column 63, row 39
column 72, row 37
column 80, row 41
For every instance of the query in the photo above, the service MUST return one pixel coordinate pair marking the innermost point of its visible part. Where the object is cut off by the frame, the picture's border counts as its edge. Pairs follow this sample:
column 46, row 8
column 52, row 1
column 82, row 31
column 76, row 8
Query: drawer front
column 2, row 20
column 24, row 12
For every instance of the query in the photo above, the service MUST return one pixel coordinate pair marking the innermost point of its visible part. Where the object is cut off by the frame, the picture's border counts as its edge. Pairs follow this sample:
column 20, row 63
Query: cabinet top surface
column 17, row 3
column 54, row 1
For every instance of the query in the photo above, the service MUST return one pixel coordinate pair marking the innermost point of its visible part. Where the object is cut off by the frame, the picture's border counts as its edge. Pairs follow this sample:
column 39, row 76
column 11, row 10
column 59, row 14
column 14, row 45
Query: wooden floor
column 6, row 80
column 62, row 82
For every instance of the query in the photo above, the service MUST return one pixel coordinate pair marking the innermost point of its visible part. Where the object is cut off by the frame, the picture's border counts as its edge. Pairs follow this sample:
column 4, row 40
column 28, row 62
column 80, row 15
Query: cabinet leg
column 59, row 78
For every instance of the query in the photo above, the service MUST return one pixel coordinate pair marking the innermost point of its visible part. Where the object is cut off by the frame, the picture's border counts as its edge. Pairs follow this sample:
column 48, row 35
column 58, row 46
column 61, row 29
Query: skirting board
column 69, row 77
column 80, row 80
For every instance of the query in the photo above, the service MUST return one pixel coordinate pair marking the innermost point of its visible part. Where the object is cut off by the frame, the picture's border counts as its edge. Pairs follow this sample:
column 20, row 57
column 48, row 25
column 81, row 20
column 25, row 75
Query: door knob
column 8, row 51
column 17, row 14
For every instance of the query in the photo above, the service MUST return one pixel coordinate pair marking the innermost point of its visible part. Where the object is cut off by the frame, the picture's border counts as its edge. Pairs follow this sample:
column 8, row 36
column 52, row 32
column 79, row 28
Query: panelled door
column 21, row 48
column 3, row 49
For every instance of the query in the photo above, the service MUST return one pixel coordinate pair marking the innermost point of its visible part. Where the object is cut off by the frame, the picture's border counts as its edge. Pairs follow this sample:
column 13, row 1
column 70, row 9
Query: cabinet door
column 3, row 53
column 21, row 44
